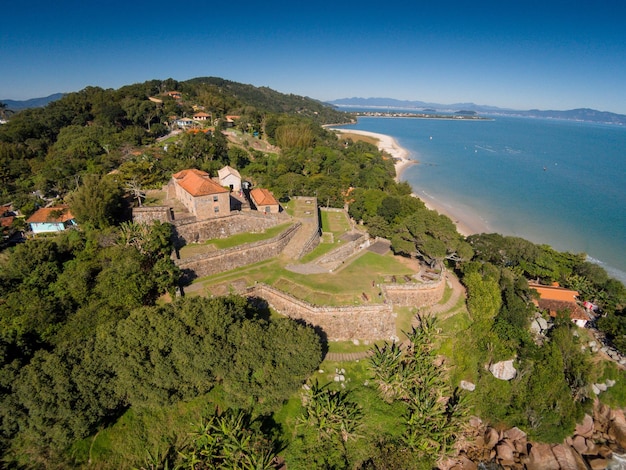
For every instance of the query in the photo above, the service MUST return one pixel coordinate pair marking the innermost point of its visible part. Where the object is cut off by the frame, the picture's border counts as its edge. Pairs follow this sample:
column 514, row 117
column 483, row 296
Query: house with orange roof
column 51, row 219
column 203, row 197
column 174, row 94
column 264, row 201
column 556, row 299
column 201, row 116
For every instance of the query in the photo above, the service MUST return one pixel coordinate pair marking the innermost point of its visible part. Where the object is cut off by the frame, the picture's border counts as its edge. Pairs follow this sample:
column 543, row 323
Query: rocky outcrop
column 592, row 445
column 503, row 370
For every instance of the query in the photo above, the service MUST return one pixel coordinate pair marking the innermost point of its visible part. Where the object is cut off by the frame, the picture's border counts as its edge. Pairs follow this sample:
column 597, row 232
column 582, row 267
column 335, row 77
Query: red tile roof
column 262, row 197
column 198, row 183
column 555, row 293
column 555, row 299
column 6, row 221
column 44, row 215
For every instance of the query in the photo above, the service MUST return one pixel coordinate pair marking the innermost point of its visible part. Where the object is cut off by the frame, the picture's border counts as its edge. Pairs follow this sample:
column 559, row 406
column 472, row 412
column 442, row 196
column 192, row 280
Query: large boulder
column 542, row 458
column 503, row 370
column 492, row 437
column 505, row 454
column 469, row 386
column 566, row 457
column 617, row 428
column 585, row 428
column 598, row 463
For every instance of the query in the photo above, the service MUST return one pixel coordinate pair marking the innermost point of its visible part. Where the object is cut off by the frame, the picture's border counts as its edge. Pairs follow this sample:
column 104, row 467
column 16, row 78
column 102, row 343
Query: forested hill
column 266, row 99
column 233, row 95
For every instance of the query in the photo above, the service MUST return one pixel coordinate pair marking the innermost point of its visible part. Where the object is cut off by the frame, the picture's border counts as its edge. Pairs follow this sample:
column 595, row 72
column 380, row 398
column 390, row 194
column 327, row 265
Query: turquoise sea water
column 556, row 182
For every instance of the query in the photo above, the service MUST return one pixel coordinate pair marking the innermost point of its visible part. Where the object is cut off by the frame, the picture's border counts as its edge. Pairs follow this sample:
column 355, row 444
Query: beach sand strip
column 466, row 223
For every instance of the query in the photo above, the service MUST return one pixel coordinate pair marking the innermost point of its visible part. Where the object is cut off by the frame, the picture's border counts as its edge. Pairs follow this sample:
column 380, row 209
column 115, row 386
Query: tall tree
column 98, row 201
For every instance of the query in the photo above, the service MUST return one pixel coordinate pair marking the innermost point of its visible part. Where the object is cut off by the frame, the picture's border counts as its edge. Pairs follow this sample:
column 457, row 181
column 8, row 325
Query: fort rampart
column 231, row 258
column 423, row 294
column 345, row 323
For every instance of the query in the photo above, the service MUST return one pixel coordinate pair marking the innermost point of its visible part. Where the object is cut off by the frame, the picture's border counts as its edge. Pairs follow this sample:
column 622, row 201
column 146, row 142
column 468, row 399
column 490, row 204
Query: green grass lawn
column 339, row 288
column 194, row 249
column 336, row 222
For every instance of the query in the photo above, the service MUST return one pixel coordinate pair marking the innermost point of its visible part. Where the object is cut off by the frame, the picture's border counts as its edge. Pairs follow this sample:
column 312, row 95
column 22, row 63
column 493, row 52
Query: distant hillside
column 581, row 114
column 16, row 105
column 265, row 98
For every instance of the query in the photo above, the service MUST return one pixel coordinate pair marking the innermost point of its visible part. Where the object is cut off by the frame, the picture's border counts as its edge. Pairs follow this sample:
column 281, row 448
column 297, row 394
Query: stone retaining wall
column 147, row 215
column 333, row 259
column 414, row 294
column 236, row 257
column 192, row 231
column 346, row 323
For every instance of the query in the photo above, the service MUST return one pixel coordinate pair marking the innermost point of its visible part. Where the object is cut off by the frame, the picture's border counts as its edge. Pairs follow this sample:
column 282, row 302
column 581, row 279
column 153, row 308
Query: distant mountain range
column 581, row 114
column 16, row 105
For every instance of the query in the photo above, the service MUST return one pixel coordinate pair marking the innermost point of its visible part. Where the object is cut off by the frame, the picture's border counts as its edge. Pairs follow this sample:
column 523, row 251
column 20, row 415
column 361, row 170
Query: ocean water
column 561, row 183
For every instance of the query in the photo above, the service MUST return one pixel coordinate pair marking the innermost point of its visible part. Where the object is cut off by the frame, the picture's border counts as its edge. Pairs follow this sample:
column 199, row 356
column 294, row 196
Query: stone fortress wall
column 192, row 231
column 363, row 322
column 424, row 294
column 345, row 323
column 227, row 259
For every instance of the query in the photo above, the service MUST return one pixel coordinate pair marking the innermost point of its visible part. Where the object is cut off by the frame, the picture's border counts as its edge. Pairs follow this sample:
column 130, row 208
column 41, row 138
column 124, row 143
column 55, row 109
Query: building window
column 216, row 209
column 214, row 198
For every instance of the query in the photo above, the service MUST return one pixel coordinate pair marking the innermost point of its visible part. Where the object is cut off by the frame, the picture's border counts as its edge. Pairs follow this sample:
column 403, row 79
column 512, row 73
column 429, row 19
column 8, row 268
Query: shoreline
column 467, row 223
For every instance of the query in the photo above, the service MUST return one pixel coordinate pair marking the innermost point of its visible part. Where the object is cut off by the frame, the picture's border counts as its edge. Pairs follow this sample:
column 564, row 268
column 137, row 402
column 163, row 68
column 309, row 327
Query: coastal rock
column 542, row 458
column 505, row 453
column 585, row 428
column 475, row 422
column 467, row 464
column 579, row 443
column 597, row 463
column 618, row 427
column 515, row 434
column 503, row 370
column 492, row 437
column 565, row 457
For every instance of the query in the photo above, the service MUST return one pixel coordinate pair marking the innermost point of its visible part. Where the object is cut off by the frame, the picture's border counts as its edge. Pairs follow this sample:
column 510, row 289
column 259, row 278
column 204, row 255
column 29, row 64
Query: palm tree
column 331, row 413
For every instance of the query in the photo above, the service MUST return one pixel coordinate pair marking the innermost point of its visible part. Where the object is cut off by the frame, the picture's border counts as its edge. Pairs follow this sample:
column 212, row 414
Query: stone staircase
column 296, row 244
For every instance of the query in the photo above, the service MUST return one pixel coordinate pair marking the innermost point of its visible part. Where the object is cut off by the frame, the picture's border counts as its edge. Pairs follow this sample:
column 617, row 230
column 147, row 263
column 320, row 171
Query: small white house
column 229, row 178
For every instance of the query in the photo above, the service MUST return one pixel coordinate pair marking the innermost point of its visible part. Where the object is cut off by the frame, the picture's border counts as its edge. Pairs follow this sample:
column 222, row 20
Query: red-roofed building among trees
column 51, row 219
column 203, row 197
column 556, row 299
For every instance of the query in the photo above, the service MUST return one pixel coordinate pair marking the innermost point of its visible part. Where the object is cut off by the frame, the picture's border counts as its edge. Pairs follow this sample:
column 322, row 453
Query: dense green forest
column 91, row 347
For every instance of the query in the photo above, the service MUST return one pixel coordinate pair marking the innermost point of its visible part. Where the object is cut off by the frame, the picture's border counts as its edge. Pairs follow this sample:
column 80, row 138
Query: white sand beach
column 467, row 222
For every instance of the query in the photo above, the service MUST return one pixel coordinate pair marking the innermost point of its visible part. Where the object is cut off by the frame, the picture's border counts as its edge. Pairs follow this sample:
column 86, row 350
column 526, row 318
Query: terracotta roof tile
column 262, row 197
column 198, row 183
column 555, row 293
column 44, row 215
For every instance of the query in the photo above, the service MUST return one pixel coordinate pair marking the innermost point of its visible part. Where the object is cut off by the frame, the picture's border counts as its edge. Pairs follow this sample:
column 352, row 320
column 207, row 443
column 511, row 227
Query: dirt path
column 442, row 311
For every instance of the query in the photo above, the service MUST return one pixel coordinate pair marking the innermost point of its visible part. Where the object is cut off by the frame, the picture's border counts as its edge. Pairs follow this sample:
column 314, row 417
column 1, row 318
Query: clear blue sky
column 518, row 54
